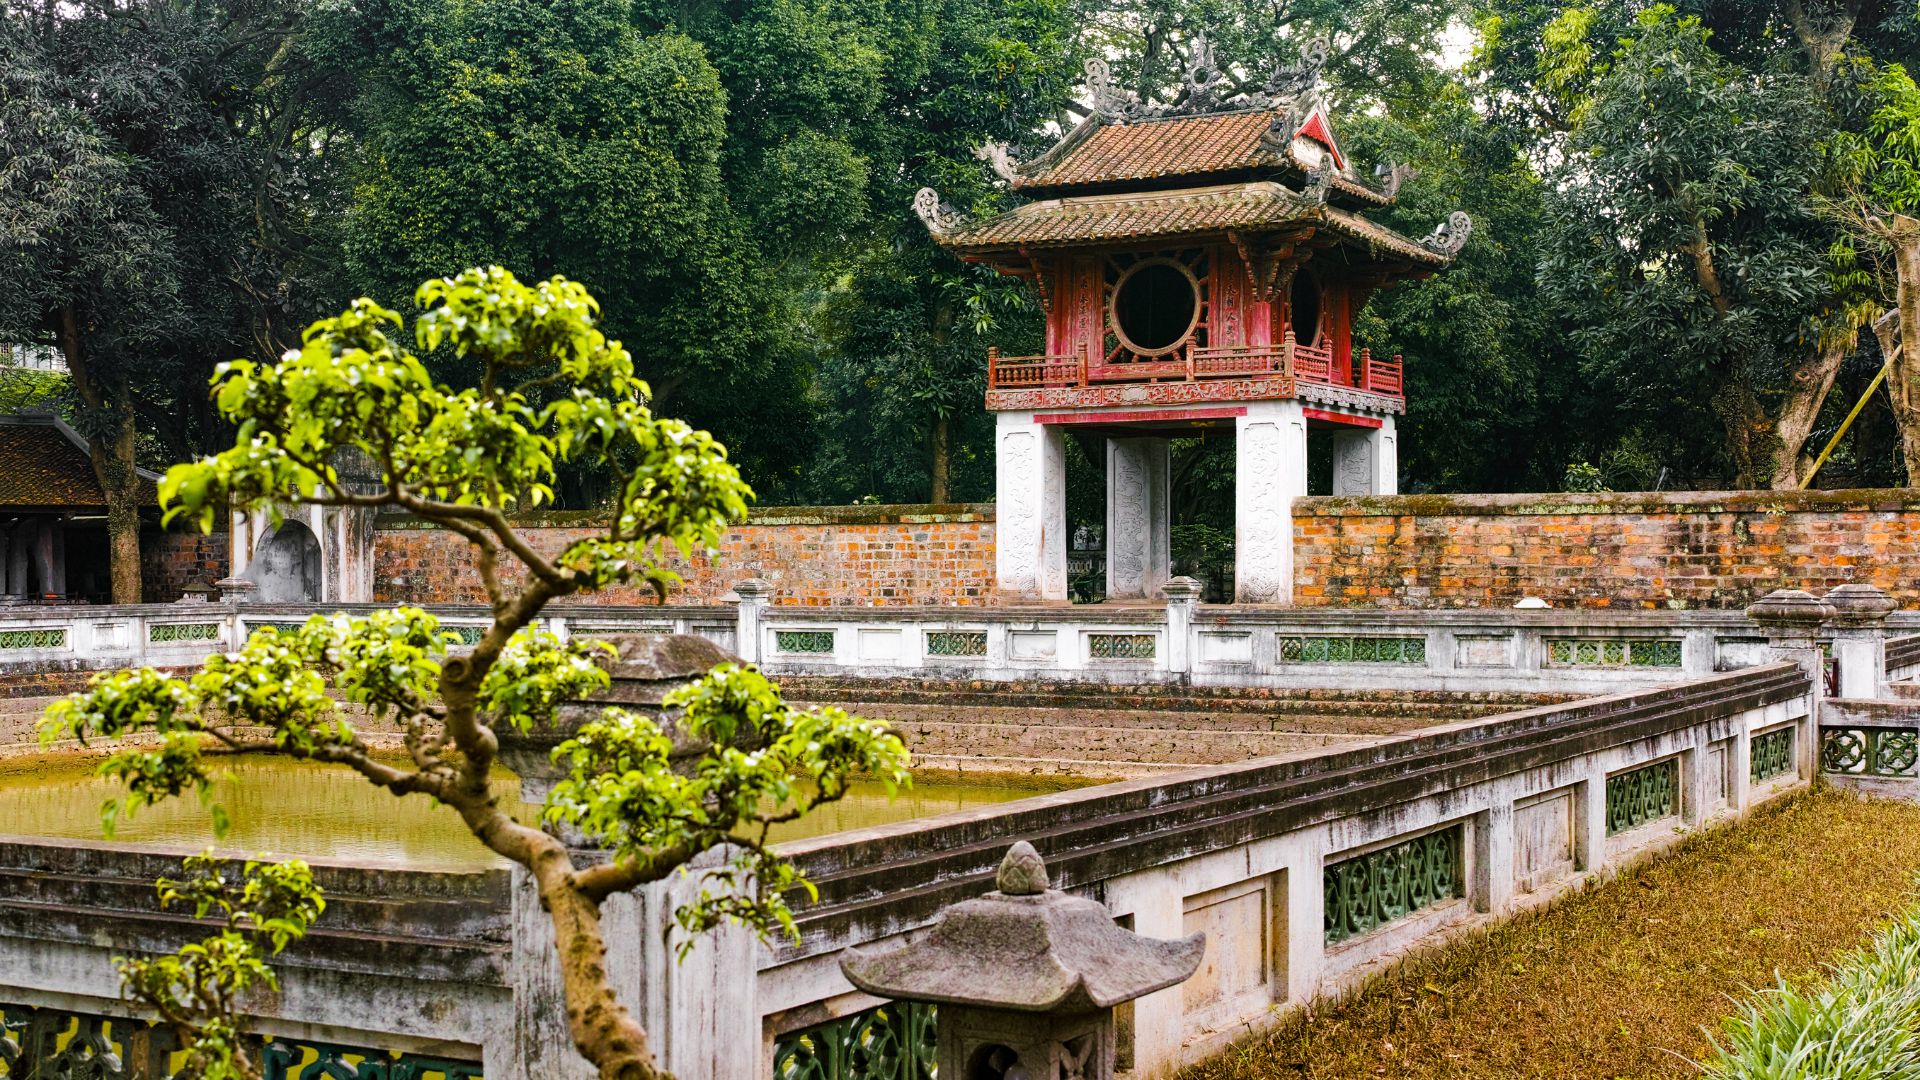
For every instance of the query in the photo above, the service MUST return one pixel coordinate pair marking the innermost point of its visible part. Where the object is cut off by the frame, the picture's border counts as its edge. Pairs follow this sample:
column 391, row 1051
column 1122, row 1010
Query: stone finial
column 753, row 588
column 1790, row 609
column 1022, row 872
column 236, row 589
column 1181, row 589
column 1531, row 603
column 1860, row 604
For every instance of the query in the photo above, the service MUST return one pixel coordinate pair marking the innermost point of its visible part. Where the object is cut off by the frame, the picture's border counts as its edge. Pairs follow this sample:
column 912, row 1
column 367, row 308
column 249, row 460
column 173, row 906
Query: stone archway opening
column 286, row 565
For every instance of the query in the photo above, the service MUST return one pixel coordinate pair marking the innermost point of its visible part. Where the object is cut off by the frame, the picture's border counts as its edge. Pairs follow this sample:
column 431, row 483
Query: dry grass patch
column 1618, row 981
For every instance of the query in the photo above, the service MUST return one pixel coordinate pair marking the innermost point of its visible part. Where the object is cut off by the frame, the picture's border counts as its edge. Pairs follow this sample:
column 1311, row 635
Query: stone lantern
column 1026, row 977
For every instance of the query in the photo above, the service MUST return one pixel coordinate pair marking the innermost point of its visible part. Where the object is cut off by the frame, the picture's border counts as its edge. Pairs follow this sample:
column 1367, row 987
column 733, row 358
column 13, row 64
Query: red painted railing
column 1289, row 359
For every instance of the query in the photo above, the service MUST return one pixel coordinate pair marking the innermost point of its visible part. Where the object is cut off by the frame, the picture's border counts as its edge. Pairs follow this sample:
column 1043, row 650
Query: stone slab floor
column 1618, row 981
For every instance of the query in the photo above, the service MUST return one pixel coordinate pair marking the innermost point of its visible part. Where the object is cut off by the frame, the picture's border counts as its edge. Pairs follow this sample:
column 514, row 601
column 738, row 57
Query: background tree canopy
column 1668, row 282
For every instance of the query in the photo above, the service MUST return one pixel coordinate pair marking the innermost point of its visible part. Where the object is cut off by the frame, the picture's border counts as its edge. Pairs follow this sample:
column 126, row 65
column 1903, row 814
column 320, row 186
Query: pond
column 288, row 808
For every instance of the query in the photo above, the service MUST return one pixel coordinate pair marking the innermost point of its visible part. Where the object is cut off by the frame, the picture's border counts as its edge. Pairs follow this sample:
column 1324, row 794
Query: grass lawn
column 1618, row 981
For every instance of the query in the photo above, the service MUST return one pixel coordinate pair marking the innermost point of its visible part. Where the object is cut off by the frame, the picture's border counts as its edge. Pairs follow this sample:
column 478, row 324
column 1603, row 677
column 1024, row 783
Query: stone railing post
column 755, row 594
column 1860, row 638
column 1183, row 597
column 1793, row 620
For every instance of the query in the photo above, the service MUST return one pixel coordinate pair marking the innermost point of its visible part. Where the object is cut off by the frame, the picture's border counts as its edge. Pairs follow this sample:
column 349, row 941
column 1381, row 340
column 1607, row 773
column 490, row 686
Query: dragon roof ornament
column 938, row 215
column 1448, row 237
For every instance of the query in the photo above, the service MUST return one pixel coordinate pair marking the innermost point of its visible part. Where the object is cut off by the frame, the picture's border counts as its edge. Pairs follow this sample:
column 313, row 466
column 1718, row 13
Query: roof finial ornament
column 998, row 156
column 940, row 218
column 1022, row 873
column 1448, row 237
column 1204, row 78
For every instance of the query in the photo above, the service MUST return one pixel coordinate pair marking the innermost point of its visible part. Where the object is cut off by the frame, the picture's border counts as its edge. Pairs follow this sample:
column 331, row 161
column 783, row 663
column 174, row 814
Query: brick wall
column 1691, row 549
column 833, row 555
column 171, row 560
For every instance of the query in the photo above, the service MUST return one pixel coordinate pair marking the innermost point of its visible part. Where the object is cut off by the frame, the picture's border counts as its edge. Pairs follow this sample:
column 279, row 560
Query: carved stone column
column 1366, row 460
column 1139, row 558
column 1030, row 527
column 1270, row 471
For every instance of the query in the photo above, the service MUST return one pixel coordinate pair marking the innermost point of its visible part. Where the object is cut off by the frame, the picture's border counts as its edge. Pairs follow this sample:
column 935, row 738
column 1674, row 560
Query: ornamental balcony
column 1303, row 366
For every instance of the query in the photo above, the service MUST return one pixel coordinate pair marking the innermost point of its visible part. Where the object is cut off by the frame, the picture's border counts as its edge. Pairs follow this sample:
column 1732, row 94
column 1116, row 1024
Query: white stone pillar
column 1270, row 471
column 1139, row 548
column 754, row 594
column 1030, row 527
column 1366, row 460
column 1183, row 596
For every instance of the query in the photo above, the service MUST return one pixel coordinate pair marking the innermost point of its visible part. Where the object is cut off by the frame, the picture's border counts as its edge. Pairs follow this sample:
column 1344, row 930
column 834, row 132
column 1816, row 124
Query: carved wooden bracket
column 1038, row 275
column 1266, row 260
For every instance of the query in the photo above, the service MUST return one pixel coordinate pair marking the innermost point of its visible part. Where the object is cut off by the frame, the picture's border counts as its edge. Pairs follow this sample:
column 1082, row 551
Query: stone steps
column 1159, row 746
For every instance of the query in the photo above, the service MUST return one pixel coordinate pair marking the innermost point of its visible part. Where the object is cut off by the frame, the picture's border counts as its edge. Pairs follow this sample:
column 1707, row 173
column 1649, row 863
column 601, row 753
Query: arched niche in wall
column 286, row 566
column 1306, row 307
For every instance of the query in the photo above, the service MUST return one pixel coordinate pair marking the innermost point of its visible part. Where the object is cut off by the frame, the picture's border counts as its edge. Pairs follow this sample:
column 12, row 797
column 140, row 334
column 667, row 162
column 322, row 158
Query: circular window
column 1303, row 304
column 1155, row 306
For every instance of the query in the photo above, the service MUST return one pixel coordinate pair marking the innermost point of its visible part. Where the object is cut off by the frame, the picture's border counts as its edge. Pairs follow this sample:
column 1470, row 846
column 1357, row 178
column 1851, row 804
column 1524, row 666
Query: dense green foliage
column 739, row 758
column 1659, row 283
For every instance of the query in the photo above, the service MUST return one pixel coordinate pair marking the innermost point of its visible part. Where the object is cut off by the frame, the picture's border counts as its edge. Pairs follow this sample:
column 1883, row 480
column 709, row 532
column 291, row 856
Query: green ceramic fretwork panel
column 1369, row 891
column 1121, row 646
column 1869, row 751
column 956, row 643
column 33, row 639
column 1614, row 652
column 803, row 641
column 1642, row 795
column 894, row 1041
column 1770, row 755
column 175, row 633
column 465, row 635
column 1352, row 650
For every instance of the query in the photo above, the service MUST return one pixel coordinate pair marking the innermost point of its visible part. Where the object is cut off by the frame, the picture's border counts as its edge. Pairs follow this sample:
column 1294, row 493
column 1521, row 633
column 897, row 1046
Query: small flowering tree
column 462, row 459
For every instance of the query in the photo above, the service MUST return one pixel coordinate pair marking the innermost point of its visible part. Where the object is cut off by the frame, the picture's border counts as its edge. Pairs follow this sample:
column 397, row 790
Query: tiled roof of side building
column 44, row 465
column 1249, row 206
column 40, row 466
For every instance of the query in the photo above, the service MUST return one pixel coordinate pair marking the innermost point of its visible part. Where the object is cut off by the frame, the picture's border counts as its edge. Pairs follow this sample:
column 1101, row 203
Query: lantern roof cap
column 1025, row 947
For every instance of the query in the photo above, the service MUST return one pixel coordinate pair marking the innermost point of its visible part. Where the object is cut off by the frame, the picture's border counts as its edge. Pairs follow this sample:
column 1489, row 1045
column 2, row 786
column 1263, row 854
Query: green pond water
column 286, row 808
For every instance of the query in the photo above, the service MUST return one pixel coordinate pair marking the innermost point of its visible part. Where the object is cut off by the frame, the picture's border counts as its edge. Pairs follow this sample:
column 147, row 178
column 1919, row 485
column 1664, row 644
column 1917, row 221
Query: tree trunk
column 1903, row 375
column 1806, row 392
column 113, row 457
column 113, row 462
column 942, row 459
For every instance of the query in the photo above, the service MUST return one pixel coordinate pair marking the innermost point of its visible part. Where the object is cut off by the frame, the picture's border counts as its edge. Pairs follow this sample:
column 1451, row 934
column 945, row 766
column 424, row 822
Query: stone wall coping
column 884, row 514
column 892, row 878
column 381, row 920
column 1853, row 500
column 1863, row 712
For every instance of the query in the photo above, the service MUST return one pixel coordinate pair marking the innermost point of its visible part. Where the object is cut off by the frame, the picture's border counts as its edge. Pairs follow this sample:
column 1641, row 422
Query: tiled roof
column 1176, row 146
column 40, row 466
column 1105, row 218
column 1098, row 152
